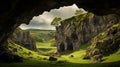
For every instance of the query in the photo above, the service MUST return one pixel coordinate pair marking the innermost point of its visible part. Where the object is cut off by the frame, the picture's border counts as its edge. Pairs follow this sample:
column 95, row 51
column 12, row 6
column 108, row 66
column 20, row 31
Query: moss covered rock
column 105, row 43
column 23, row 38
column 81, row 29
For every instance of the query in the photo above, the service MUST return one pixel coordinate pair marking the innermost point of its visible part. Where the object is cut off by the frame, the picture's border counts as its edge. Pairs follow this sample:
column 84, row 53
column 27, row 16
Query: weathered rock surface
column 23, row 38
column 79, row 30
column 105, row 43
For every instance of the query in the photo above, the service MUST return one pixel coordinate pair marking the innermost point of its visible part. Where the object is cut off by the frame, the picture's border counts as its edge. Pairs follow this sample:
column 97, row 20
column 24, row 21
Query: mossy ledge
column 105, row 43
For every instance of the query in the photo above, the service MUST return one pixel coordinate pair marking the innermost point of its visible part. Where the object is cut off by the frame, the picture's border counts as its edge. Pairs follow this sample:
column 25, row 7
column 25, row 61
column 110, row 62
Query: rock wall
column 24, row 39
column 79, row 30
column 104, row 44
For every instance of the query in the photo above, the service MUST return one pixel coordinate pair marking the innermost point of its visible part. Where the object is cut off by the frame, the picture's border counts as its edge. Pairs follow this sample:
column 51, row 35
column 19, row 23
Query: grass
column 45, row 48
column 23, row 52
column 63, row 61
column 78, row 56
column 42, row 35
column 113, row 57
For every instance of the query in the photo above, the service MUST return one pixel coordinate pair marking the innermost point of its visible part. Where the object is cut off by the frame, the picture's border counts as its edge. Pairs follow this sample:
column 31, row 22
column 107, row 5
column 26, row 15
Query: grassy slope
column 66, row 60
column 23, row 52
column 45, row 47
column 113, row 57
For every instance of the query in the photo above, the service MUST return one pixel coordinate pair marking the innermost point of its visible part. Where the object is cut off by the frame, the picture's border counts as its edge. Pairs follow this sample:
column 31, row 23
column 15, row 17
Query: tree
column 79, row 12
column 56, row 21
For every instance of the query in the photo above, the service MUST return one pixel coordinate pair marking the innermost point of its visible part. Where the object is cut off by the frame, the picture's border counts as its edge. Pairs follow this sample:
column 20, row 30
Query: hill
column 42, row 35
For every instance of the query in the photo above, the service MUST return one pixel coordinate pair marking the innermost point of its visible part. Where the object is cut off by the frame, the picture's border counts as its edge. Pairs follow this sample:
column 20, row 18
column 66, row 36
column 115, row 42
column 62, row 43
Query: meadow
column 40, row 58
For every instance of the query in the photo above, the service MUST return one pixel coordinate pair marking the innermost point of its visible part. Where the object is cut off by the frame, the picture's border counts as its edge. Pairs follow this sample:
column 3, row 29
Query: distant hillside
column 42, row 35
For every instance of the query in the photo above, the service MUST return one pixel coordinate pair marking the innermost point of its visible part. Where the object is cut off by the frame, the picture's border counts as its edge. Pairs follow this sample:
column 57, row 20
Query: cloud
column 43, row 21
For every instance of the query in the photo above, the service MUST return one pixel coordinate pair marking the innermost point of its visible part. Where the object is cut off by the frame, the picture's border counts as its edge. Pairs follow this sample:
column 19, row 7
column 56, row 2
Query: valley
column 45, row 49
column 83, row 40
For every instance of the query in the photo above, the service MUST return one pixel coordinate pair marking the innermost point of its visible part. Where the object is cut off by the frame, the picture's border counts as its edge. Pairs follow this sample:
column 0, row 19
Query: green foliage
column 42, row 35
column 55, row 21
column 79, row 12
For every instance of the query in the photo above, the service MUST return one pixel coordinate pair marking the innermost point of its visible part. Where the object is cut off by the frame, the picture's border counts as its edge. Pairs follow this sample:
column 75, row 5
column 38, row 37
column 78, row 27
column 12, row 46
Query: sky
column 43, row 21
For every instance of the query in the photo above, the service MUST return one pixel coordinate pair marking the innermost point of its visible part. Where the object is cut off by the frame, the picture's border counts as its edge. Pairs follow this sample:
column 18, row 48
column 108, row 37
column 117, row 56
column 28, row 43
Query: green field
column 40, row 58
column 63, row 61
column 45, row 48
column 42, row 35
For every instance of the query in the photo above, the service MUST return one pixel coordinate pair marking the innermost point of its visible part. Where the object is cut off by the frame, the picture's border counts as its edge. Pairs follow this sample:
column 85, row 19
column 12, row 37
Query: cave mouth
column 43, row 32
column 20, row 16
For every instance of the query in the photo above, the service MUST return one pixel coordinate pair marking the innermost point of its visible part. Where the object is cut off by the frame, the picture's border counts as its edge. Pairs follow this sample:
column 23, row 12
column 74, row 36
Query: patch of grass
column 46, row 48
column 113, row 57
column 23, row 52
column 77, row 56
column 63, row 61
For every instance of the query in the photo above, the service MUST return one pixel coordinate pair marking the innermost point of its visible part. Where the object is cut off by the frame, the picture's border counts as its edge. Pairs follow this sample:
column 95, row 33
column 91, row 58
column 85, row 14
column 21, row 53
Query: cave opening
column 17, row 12
column 43, row 31
column 39, row 35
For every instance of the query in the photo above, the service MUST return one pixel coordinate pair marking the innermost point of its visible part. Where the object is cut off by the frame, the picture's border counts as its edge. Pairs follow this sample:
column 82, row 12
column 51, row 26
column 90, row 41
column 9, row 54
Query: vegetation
column 23, row 52
column 45, row 42
column 105, row 43
column 42, row 35
column 79, row 12
column 46, row 48
column 64, row 60
column 56, row 21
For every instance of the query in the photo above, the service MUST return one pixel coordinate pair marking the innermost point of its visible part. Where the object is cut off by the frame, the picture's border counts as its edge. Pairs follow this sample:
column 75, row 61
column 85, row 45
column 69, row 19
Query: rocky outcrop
column 105, row 43
column 79, row 30
column 24, row 39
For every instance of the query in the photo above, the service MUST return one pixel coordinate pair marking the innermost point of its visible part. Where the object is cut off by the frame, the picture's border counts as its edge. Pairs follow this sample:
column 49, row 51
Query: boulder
column 52, row 58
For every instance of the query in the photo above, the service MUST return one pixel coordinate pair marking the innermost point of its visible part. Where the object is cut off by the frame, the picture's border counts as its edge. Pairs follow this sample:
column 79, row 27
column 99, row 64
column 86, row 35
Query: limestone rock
column 105, row 43
column 24, row 39
column 81, row 29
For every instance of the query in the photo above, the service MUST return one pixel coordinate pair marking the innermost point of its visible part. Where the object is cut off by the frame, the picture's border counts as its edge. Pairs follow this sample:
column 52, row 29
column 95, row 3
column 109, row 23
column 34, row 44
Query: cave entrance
column 41, row 31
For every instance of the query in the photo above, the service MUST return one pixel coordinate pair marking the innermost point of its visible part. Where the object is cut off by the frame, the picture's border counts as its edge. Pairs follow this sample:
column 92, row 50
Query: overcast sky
column 43, row 21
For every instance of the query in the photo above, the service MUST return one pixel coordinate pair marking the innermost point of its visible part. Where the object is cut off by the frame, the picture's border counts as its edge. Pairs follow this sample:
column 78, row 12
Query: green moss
column 23, row 52
column 113, row 57
column 116, row 25
column 105, row 42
